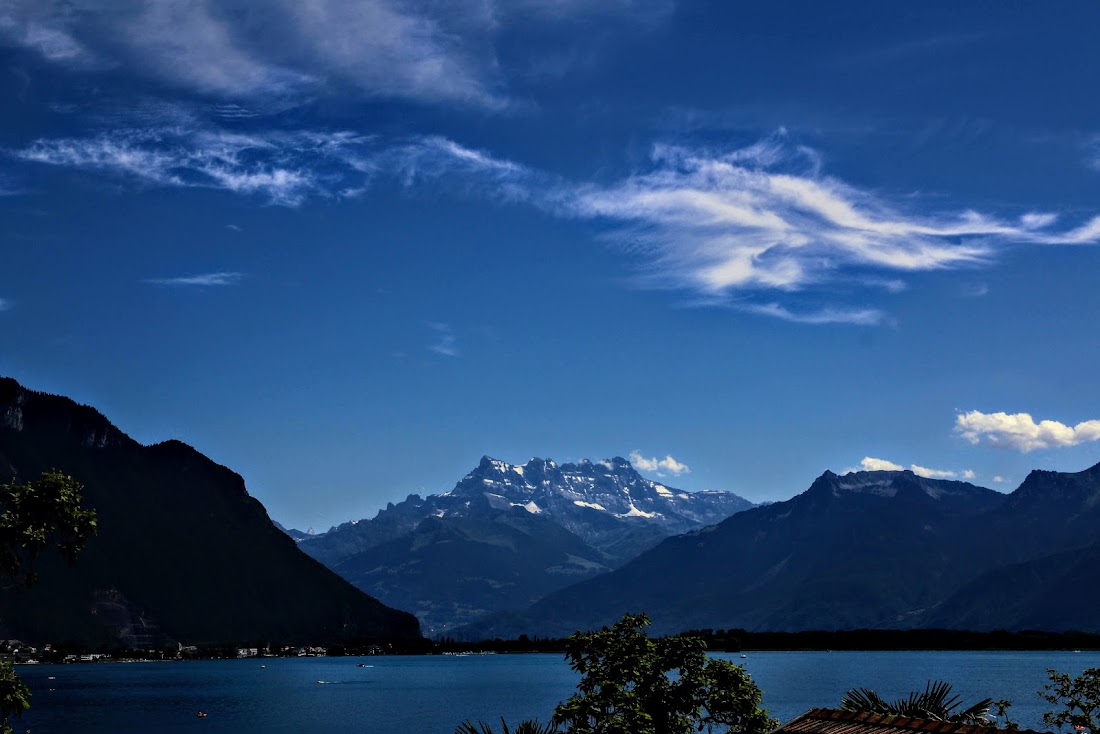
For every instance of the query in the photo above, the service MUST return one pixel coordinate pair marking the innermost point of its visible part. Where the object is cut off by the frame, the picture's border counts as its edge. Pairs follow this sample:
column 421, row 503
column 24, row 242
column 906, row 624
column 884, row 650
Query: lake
column 432, row 694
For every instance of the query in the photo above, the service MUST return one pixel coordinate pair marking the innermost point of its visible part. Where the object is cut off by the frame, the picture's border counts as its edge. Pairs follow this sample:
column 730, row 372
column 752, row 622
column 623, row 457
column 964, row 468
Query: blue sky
column 347, row 247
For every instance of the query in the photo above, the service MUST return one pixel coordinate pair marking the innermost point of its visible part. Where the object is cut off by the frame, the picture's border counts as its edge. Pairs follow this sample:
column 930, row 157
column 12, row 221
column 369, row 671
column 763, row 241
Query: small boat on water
column 202, row 714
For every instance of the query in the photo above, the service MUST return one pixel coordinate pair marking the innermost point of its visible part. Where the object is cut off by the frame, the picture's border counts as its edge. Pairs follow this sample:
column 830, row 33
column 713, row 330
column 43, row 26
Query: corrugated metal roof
column 834, row 721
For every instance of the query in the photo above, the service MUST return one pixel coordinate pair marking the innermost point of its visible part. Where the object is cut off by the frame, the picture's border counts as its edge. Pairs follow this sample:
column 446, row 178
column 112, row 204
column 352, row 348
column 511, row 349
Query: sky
column 347, row 247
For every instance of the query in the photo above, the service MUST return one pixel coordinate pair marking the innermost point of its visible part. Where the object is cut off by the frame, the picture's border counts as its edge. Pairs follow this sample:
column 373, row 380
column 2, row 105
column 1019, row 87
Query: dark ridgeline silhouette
column 887, row 550
column 183, row 553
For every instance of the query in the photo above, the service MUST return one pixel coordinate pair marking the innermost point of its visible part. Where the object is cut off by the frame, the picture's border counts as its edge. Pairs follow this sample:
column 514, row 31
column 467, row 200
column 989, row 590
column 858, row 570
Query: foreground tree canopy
column 1079, row 699
column 633, row 684
column 33, row 516
column 37, row 514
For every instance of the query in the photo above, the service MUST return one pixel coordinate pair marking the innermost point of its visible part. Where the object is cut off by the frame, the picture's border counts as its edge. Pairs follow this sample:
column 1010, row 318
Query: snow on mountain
column 608, row 504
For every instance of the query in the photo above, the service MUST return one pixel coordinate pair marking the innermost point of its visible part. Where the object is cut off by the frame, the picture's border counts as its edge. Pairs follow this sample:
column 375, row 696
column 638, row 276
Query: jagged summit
column 607, row 503
column 507, row 534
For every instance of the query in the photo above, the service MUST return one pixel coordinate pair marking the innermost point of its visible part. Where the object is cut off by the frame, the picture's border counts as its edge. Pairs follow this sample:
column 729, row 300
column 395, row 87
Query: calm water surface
column 432, row 694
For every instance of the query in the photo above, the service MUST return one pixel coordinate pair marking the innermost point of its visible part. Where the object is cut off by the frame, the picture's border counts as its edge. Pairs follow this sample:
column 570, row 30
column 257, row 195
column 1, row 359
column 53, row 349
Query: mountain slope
column 183, row 552
column 1041, row 552
column 451, row 570
column 506, row 535
column 869, row 549
column 607, row 504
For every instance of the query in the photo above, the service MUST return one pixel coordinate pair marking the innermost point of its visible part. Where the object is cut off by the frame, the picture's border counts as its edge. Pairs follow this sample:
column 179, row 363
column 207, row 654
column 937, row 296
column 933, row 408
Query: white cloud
column 282, row 167
column 445, row 342
column 999, row 479
column 234, row 227
column 1020, row 431
column 4, row 304
column 869, row 463
column 828, row 315
column 427, row 52
column 394, row 48
column 1037, row 220
column 25, row 24
column 923, row 471
column 204, row 279
column 653, row 464
column 730, row 226
column 672, row 466
column 641, row 463
column 758, row 229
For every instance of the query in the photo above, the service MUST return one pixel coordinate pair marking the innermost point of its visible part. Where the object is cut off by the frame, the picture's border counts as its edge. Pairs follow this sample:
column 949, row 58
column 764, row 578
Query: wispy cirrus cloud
column 1092, row 153
column 1021, row 432
column 660, row 466
column 432, row 53
column 444, row 342
column 729, row 226
column 283, row 167
column 202, row 279
column 294, row 48
column 759, row 228
column 4, row 304
column 870, row 463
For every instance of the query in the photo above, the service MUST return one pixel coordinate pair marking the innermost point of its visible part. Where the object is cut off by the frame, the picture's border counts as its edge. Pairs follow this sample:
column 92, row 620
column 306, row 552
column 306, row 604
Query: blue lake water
column 432, row 694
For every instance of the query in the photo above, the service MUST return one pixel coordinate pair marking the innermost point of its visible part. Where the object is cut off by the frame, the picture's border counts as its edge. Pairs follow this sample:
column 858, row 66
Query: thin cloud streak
column 445, row 342
column 202, row 280
column 284, row 167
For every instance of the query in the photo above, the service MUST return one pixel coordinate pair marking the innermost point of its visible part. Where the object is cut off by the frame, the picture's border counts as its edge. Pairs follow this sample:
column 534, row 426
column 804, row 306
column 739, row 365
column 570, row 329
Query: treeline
column 739, row 640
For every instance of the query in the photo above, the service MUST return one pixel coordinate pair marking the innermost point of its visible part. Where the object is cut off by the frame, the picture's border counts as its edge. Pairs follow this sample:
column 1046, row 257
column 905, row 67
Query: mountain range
column 506, row 535
column 885, row 549
column 183, row 553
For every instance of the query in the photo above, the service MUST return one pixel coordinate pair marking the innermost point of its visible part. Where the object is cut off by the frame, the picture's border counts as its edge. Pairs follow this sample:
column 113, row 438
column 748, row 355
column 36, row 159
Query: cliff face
column 183, row 551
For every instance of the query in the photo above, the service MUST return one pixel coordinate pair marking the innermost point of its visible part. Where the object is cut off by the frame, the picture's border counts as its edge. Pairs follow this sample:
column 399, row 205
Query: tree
column 1079, row 698
column 633, row 684
column 936, row 703
column 36, row 515
column 526, row 726
column 47, row 510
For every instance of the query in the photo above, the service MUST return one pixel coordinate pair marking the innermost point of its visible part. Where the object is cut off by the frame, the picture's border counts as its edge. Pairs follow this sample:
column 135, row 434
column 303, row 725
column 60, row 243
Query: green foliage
column 527, row 726
column 47, row 510
column 1079, row 699
column 14, row 697
column 37, row 514
column 633, row 684
column 1000, row 709
column 935, row 702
